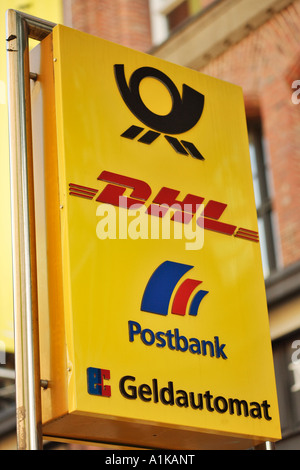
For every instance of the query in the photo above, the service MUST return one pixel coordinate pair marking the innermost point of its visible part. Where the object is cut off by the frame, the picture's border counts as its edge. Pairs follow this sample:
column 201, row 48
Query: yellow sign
column 163, row 308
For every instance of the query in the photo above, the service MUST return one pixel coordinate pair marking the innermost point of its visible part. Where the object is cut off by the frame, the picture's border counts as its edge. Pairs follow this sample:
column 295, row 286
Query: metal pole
column 268, row 445
column 21, row 27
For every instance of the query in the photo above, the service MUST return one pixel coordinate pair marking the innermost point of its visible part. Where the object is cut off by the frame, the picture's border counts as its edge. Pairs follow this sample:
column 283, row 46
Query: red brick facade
column 121, row 21
column 265, row 64
column 206, row 3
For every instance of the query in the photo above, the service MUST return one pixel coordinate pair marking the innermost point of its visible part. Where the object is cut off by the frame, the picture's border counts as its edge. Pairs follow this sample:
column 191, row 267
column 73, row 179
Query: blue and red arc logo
column 161, row 286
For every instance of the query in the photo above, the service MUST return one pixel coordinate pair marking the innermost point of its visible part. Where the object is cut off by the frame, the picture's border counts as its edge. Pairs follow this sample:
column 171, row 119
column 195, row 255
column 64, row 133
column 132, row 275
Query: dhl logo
column 185, row 210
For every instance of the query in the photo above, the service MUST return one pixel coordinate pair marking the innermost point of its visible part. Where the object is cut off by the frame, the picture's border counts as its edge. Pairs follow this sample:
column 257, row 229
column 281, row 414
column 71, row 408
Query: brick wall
column 125, row 22
column 206, row 3
column 265, row 64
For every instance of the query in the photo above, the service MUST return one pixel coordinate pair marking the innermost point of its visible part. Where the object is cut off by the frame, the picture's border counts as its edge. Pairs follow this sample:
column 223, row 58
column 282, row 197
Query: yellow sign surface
column 164, row 309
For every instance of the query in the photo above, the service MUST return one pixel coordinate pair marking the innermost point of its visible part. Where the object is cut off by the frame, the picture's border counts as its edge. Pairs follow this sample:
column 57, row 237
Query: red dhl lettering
column 113, row 194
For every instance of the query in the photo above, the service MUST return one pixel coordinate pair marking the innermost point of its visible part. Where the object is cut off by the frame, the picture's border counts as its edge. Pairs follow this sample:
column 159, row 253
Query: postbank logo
column 158, row 292
column 185, row 112
column 156, row 299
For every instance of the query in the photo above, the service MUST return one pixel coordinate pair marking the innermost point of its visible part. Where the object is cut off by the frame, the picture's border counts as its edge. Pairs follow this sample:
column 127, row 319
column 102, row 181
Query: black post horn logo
column 185, row 113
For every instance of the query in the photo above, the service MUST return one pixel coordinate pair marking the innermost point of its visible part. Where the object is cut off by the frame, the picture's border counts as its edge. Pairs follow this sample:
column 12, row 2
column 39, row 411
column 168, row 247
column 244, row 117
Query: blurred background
column 252, row 43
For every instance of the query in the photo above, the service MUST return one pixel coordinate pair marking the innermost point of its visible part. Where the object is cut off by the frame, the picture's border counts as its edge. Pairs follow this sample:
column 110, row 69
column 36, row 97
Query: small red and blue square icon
column 95, row 382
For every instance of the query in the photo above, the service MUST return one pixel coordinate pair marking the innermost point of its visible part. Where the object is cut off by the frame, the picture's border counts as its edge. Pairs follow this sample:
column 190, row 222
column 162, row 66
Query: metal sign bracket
column 20, row 28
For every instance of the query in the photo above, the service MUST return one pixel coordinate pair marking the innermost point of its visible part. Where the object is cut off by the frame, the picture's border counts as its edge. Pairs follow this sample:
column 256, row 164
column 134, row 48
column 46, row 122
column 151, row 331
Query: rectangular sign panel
column 163, row 299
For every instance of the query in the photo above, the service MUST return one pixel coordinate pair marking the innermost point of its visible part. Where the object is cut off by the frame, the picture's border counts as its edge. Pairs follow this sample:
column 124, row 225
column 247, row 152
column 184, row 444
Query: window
column 178, row 14
column 262, row 192
column 286, row 352
column 166, row 15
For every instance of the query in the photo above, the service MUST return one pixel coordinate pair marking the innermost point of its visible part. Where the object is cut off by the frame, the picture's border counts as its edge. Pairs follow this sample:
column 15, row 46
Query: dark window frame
column 178, row 15
column 264, row 205
column 289, row 415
